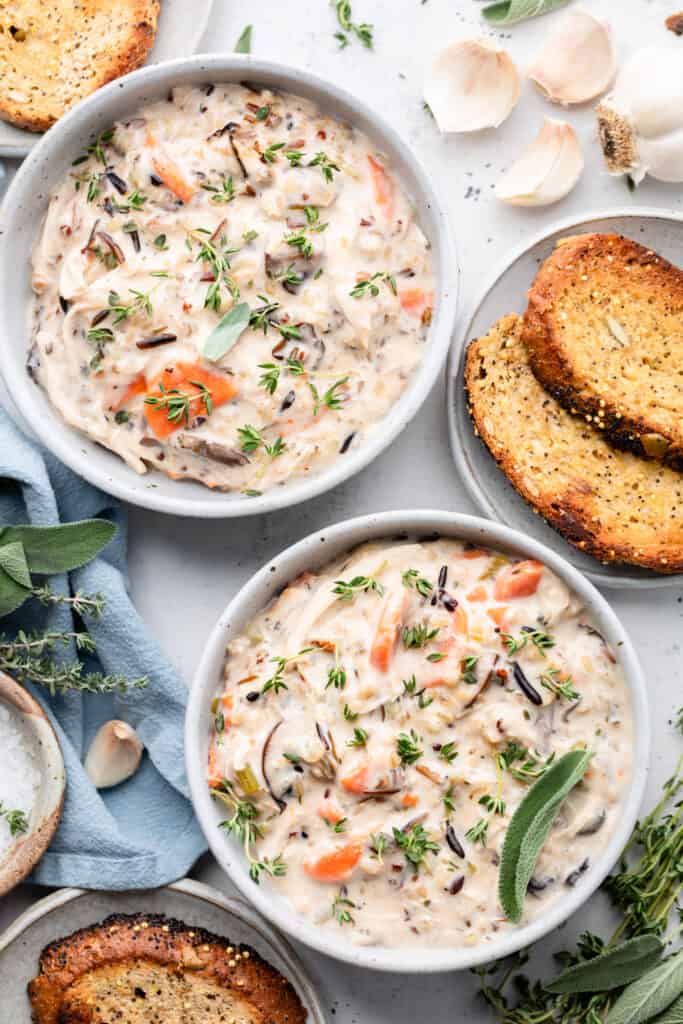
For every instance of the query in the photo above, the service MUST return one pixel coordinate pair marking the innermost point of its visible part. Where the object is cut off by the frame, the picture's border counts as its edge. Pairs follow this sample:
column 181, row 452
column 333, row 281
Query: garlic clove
column 472, row 84
column 640, row 123
column 577, row 61
column 547, row 171
column 115, row 754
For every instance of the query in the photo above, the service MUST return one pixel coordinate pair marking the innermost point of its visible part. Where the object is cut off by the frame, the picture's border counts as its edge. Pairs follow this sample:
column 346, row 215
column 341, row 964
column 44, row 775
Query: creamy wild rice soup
column 380, row 722
column 230, row 286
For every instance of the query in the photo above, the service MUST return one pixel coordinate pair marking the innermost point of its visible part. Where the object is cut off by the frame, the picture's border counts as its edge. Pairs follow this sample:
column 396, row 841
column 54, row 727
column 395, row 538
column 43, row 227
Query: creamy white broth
column 250, row 172
column 440, row 733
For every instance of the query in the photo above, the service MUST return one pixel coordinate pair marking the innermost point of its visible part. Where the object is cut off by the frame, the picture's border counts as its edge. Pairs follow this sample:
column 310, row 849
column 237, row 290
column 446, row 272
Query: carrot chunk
column 172, row 177
column 336, row 866
column 414, row 300
column 474, row 553
column 518, row 580
column 383, row 187
column 330, row 811
column 497, row 615
column 478, row 594
column 409, row 800
column 185, row 378
column 388, row 629
column 213, row 776
column 357, row 781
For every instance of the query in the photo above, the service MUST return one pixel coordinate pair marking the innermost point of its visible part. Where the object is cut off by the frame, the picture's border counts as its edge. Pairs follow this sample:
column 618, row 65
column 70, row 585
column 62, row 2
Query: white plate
column 181, row 26
column 487, row 485
column 66, row 910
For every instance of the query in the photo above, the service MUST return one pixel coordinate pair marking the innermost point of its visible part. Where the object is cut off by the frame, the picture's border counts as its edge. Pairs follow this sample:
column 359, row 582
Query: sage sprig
column 674, row 1015
column 227, row 331
column 509, row 12
column 529, row 828
column 650, row 995
column 617, row 966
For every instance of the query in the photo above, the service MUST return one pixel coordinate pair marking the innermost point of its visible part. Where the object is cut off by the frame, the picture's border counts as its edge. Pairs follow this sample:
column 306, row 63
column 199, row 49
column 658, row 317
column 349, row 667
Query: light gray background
column 205, row 562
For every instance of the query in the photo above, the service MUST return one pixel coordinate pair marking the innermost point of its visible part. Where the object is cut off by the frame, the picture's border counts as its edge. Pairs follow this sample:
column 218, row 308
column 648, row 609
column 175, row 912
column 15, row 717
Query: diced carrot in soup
column 383, row 187
column 330, row 811
column 518, row 580
column 214, row 775
column 478, row 594
column 388, row 629
column 358, row 781
column 409, row 800
column 497, row 615
column 414, row 300
column 137, row 386
column 185, row 378
column 173, row 178
column 336, row 866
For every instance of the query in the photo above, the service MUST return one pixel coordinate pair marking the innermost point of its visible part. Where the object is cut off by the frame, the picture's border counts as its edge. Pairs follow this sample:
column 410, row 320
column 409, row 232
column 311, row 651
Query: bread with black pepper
column 149, row 969
column 54, row 54
column 608, row 503
column 604, row 330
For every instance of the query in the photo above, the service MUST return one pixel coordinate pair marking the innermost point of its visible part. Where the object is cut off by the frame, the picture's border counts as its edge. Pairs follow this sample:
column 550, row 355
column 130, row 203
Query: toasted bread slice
column 142, row 968
column 53, row 54
column 604, row 329
column 610, row 504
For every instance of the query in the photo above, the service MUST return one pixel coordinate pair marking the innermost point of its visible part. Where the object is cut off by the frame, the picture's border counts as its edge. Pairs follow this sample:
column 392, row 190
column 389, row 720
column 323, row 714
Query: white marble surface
column 205, row 563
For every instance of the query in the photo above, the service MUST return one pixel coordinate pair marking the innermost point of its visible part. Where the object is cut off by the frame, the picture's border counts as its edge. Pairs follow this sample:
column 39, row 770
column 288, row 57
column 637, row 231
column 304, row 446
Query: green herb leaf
column 226, row 332
column 612, row 969
column 51, row 549
column 654, row 992
column 674, row 1015
column 529, row 828
column 509, row 12
column 243, row 44
column 12, row 594
column 13, row 561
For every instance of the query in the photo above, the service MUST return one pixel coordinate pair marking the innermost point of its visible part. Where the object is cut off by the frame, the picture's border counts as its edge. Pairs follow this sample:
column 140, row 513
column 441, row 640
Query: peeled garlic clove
column 472, row 84
column 115, row 754
column 577, row 61
column 547, row 171
column 640, row 123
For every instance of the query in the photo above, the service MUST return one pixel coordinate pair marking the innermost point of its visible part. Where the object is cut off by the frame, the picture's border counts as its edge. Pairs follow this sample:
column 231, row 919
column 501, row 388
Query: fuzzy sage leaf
column 13, row 561
column 509, row 12
column 51, row 549
column 530, row 826
column 12, row 594
column 650, row 995
column 226, row 332
column 615, row 967
column 674, row 1015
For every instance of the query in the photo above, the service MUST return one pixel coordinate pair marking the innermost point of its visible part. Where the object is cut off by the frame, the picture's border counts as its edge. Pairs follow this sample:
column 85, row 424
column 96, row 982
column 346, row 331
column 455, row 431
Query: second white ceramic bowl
column 312, row 553
column 24, row 207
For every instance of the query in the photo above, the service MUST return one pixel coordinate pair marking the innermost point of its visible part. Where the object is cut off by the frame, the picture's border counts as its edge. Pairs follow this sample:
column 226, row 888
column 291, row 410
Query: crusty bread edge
column 570, row 526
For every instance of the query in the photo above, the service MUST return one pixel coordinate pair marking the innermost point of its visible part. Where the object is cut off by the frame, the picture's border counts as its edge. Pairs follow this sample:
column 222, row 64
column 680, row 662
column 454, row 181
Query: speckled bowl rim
column 23, row 856
column 38, row 174
column 312, row 552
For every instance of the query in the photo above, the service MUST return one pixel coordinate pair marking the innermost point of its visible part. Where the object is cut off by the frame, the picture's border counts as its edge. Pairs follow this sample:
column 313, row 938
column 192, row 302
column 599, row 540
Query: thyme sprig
column 16, row 819
column 342, row 907
column 331, row 398
column 560, row 685
column 178, row 403
column 412, row 579
column 415, row 844
column 363, row 31
column 541, row 640
column 347, row 589
column 370, row 286
column 252, row 439
column 276, row 681
column 243, row 824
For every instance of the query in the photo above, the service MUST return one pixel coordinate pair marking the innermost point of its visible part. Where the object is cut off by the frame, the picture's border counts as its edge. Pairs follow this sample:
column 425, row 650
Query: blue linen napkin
column 142, row 833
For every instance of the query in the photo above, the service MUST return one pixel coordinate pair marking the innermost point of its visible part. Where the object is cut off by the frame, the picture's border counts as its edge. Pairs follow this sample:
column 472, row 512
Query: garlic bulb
column 115, row 754
column 640, row 123
column 472, row 84
column 547, row 171
column 577, row 61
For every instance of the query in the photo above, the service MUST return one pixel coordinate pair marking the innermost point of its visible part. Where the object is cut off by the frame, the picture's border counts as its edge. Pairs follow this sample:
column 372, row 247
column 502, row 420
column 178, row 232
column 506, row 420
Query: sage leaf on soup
column 614, row 968
column 509, row 12
column 13, row 561
column 647, row 997
column 51, row 549
column 529, row 828
column 226, row 332
column 674, row 1015
column 243, row 44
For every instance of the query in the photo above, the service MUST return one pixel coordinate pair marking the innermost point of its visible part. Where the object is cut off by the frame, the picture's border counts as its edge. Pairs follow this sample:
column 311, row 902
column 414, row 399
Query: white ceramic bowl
column 22, row 212
column 312, row 553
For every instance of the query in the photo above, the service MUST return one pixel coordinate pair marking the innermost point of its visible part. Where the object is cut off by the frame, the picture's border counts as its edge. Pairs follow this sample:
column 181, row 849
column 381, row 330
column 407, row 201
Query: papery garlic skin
column 547, row 171
column 577, row 61
column 114, row 755
column 472, row 84
column 640, row 123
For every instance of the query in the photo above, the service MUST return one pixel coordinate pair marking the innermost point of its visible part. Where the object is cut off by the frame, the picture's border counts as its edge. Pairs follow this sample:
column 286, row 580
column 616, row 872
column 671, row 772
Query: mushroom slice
column 472, row 84
column 547, row 171
column 577, row 61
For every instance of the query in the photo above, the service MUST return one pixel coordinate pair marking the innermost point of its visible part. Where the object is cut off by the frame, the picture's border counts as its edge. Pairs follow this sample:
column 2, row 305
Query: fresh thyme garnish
column 313, row 219
column 276, row 681
column 336, row 677
column 436, row 656
column 415, row 845
column 262, row 113
column 294, row 156
column 263, row 318
column 478, row 833
column 468, row 669
column 270, row 379
column 378, row 845
column 178, row 403
column 97, row 148
column 541, row 641
column 362, row 31
column 269, row 155
column 327, row 167
column 135, row 201
column 350, row 715
column 407, row 747
column 448, row 801
column 249, row 236
column 359, row 584
column 412, row 578
column 360, row 738
column 561, row 686
column 340, row 908
column 223, row 193
column 298, row 241
column 493, row 804
column 243, row 825
column 419, row 635
column 337, row 826
column 160, row 243
column 448, row 752
column 369, row 286
column 331, row 399
column 216, row 253
column 251, row 439
column 100, row 335
column 16, row 819
column 141, row 304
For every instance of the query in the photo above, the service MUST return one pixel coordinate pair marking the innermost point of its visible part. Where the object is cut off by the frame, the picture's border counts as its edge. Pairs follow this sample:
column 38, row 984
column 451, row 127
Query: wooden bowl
column 40, row 738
